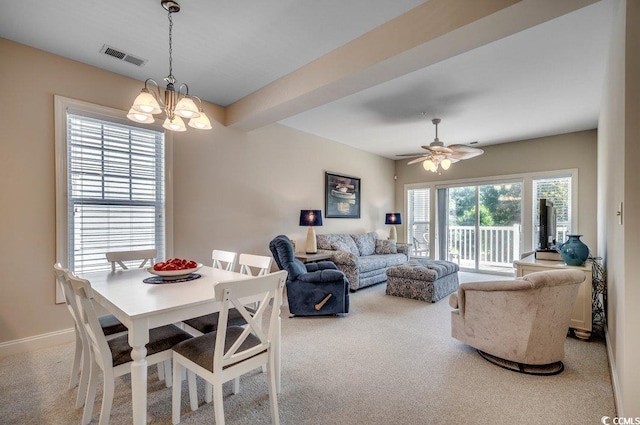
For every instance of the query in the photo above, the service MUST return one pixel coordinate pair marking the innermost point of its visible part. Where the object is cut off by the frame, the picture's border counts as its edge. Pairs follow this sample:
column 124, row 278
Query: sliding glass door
column 480, row 225
column 486, row 223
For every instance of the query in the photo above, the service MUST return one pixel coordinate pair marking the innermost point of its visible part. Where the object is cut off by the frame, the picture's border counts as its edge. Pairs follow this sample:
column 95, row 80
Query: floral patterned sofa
column 362, row 257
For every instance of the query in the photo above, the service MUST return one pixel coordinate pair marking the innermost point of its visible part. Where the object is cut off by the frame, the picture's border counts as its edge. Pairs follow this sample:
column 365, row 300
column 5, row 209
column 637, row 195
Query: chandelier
column 439, row 156
column 176, row 104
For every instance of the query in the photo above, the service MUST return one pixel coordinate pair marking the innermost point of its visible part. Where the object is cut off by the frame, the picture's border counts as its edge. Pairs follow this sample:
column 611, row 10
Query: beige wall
column 619, row 181
column 564, row 151
column 238, row 190
column 233, row 190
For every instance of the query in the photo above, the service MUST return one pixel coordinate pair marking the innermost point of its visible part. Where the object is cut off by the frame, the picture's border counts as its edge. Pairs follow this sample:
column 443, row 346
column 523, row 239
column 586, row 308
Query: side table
column 311, row 258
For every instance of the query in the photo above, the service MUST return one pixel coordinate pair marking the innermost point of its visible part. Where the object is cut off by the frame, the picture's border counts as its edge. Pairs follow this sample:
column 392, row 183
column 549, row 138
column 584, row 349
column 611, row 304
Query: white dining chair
column 146, row 256
column 208, row 323
column 232, row 351
column 258, row 264
column 80, row 365
column 225, row 260
column 111, row 328
column 143, row 257
column 113, row 356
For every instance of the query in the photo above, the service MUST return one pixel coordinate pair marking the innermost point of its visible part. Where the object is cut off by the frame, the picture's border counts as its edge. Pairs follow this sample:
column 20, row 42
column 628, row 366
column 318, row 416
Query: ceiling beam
column 427, row 34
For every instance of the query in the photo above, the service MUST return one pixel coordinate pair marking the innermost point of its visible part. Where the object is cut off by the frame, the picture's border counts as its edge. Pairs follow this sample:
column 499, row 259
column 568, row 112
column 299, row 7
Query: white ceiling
column 541, row 81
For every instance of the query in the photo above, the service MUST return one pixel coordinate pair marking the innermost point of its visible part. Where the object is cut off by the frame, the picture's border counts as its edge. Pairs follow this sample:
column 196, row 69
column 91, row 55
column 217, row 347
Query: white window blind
column 558, row 191
column 418, row 214
column 116, row 194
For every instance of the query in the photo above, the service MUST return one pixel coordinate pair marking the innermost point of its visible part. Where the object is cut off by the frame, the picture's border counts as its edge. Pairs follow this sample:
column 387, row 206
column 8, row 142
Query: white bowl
column 173, row 274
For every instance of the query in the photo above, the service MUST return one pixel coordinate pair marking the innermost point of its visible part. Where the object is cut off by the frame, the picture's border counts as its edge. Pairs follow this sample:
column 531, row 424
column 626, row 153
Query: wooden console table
column 581, row 319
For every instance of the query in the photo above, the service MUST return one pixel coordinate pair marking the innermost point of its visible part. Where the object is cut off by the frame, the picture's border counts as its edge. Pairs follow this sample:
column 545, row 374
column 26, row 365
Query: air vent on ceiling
column 123, row 56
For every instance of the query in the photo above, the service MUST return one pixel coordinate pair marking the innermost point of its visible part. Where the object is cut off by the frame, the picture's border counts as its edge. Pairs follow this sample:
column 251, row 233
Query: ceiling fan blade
column 465, row 152
column 465, row 148
column 415, row 161
column 438, row 149
column 464, row 155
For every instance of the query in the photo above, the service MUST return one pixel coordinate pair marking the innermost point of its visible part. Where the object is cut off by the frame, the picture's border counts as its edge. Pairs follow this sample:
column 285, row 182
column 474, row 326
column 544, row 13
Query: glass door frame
column 477, row 243
column 526, row 240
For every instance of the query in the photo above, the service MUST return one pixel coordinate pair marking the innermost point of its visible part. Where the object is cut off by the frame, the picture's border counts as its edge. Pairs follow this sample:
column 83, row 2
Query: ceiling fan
column 439, row 155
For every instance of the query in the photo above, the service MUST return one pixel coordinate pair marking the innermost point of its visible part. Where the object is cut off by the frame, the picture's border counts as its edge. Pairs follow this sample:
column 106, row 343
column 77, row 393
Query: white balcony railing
column 499, row 245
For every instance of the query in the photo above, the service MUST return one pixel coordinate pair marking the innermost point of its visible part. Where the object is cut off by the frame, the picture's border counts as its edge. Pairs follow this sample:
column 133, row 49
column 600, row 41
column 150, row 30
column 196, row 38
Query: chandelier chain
column 170, row 49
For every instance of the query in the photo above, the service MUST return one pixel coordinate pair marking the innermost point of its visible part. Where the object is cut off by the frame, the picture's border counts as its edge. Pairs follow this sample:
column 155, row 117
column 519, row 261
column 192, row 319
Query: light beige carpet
column 390, row 361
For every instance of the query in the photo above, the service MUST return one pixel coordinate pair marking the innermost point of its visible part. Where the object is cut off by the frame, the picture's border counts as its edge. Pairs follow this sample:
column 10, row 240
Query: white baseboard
column 37, row 342
column 615, row 382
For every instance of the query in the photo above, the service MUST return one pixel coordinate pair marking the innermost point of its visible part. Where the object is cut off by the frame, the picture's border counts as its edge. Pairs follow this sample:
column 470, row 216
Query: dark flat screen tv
column 547, row 213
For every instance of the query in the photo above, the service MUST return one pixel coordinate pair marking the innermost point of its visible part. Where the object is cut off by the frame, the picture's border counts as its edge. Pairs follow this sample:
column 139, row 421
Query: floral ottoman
column 424, row 280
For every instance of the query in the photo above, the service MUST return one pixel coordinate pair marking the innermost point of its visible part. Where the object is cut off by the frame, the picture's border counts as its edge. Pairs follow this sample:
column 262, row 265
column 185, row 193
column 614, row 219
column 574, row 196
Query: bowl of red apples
column 174, row 268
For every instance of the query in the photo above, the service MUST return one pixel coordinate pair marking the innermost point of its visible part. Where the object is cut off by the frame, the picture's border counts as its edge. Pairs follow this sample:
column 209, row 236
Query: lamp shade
column 138, row 116
column 393, row 218
column 201, row 123
column 310, row 217
column 146, row 103
column 186, row 108
column 175, row 124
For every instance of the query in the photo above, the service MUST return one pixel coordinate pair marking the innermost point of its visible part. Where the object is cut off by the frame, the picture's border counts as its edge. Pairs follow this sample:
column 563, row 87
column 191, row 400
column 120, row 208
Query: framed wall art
column 342, row 196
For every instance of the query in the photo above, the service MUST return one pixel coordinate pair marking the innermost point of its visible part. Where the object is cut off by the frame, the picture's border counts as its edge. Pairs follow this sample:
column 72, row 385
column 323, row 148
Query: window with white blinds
column 418, row 220
column 115, row 190
column 558, row 191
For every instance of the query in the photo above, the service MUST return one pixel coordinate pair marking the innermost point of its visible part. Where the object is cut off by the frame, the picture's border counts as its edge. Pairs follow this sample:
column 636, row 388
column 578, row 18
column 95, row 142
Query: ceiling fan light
column 429, row 165
column 146, row 103
column 137, row 116
column 175, row 124
column 445, row 164
column 186, row 108
column 201, row 123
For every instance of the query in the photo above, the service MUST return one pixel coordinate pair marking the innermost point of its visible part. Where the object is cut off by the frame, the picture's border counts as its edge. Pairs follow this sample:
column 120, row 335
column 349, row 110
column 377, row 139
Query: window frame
column 527, row 195
column 61, row 106
column 409, row 220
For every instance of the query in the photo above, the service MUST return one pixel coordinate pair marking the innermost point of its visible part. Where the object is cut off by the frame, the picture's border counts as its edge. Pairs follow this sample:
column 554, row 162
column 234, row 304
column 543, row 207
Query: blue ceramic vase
column 574, row 252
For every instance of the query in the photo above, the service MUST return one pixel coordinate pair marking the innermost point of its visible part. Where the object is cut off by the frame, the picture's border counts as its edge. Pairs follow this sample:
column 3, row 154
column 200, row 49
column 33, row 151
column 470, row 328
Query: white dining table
column 142, row 306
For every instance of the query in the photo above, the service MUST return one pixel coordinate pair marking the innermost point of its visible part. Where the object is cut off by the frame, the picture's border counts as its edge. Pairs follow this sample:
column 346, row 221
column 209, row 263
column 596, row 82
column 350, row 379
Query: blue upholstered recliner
column 314, row 288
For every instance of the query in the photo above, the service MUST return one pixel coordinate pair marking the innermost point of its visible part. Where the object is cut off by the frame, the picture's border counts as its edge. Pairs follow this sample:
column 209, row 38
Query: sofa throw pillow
column 386, row 247
column 324, row 241
column 366, row 242
column 341, row 246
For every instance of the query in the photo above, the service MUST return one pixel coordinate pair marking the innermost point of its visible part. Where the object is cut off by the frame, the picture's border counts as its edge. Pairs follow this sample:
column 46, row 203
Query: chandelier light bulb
column 175, row 124
column 186, row 108
column 137, row 116
column 146, row 103
column 201, row 123
column 445, row 164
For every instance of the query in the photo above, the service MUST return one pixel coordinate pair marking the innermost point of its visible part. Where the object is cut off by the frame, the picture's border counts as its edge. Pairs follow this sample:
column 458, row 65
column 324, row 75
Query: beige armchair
column 519, row 324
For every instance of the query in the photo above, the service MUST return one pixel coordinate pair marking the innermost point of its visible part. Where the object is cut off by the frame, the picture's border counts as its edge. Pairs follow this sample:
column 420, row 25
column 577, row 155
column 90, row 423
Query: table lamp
column 393, row 219
column 311, row 218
